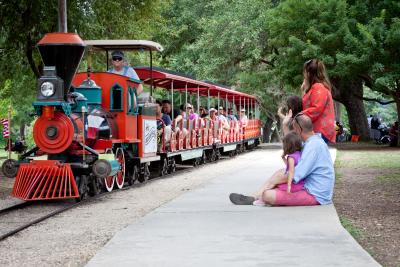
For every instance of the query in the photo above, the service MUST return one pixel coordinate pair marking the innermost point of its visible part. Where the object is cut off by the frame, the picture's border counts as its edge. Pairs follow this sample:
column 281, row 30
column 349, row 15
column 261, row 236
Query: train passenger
column 203, row 112
column 163, row 123
column 212, row 114
column 176, row 118
column 223, row 119
column 190, row 112
column 121, row 67
column 231, row 116
column 243, row 118
column 167, row 109
column 315, row 168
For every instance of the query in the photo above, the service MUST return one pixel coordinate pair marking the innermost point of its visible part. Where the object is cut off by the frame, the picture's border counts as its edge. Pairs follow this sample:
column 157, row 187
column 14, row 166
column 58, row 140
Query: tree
column 24, row 23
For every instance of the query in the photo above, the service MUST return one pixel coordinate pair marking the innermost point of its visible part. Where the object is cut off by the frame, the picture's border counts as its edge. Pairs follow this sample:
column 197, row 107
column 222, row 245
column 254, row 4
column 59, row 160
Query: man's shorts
column 299, row 198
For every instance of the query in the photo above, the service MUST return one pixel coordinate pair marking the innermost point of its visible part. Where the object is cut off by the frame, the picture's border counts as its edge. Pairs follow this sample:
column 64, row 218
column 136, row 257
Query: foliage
column 387, row 112
column 260, row 46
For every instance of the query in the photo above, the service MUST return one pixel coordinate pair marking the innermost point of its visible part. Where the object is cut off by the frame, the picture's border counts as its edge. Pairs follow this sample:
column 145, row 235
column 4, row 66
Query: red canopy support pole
column 218, row 105
column 186, row 99
column 208, row 99
column 198, row 99
column 172, row 100
column 234, row 109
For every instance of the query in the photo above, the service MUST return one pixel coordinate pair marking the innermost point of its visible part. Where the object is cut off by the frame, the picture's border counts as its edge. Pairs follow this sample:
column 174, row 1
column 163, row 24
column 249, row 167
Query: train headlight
column 47, row 89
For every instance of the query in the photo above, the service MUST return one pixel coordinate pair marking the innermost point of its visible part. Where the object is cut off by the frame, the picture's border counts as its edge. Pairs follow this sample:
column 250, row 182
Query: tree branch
column 267, row 62
column 382, row 102
column 29, row 55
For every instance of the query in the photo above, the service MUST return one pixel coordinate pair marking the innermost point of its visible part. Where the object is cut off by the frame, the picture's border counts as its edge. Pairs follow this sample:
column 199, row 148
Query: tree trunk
column 346, row 92
column 396, row 97
column 22, row 130
column 267, row 130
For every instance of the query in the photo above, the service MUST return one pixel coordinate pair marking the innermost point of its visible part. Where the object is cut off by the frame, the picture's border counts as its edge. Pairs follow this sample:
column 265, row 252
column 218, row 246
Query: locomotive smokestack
column 62, row 15
column 64, row 51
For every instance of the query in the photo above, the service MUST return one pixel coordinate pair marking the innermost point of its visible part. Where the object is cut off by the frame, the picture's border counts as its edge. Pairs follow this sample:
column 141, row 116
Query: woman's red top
column 318, row 105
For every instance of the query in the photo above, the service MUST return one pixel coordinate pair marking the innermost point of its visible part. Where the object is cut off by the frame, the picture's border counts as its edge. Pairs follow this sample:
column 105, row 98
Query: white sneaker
column 259, row 202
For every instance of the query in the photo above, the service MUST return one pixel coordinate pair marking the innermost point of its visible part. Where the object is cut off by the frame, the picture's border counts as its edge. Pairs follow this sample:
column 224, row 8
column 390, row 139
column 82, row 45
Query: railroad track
column 18, row 217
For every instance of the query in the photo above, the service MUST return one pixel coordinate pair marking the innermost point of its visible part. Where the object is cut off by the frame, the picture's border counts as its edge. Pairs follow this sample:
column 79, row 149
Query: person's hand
column 287, row 118
column 289, row 188
column 280, row 113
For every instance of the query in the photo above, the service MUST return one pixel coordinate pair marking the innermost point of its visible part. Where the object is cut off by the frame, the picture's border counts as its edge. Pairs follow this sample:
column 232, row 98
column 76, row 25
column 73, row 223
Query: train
column 96, row 132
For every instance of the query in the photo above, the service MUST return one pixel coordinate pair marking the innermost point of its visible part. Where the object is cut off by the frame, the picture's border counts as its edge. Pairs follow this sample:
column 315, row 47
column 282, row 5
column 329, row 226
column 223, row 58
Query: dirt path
column 367, row 199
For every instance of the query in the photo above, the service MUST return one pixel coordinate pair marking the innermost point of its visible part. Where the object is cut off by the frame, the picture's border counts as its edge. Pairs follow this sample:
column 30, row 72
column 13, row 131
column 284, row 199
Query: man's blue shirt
column 316, row 168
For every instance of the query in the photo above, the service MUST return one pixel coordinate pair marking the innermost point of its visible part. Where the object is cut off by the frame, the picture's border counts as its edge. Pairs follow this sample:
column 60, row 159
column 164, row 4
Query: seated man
column 315, row 167
column 163, row 123
column 176, row 116
column 120, row 67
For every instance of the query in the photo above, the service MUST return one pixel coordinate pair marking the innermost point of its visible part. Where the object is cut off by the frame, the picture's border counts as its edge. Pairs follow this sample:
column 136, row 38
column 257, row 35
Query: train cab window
column 116, row 98
column 132, row 107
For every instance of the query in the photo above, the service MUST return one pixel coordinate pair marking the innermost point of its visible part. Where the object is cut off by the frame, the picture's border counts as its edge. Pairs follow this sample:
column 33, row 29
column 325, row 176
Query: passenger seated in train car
column 203, row 112
column 222, row 117
column 224, row 121
column 167, row 109
column 243, row 118
column 163, row 123
column 190, row 112
column 120, row 66
column 231, row 116
column 212, row 114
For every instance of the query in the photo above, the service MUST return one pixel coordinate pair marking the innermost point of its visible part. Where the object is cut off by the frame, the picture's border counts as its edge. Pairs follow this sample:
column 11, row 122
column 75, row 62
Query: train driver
column 121, row 67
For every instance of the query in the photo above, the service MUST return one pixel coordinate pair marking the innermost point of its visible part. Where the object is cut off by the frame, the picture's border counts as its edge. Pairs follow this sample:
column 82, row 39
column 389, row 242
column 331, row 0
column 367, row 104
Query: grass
column 389, row 177
column 355, row 232
column 380, row 159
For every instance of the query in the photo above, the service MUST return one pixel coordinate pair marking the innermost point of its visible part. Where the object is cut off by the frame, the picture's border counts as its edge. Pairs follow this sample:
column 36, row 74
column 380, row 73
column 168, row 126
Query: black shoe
column 239, row 199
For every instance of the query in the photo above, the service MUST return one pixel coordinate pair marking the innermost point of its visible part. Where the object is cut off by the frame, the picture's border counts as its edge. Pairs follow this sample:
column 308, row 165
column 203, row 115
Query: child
column 292, row 145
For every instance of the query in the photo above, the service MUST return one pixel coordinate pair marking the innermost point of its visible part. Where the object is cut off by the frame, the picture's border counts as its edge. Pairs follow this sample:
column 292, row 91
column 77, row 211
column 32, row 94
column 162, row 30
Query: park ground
column 367, row 197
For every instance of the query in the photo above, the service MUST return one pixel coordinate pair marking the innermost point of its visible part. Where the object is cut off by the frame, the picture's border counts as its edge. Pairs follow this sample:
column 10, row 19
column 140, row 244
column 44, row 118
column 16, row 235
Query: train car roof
column 123, row 45
column 163, row 78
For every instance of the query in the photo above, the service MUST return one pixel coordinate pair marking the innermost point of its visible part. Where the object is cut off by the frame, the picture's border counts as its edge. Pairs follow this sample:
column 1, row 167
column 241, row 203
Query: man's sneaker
column 239, row 199
column 259, row 202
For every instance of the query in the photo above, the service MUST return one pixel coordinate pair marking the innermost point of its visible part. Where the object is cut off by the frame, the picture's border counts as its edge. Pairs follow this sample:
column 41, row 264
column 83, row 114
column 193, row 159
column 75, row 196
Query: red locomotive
column 95, row 131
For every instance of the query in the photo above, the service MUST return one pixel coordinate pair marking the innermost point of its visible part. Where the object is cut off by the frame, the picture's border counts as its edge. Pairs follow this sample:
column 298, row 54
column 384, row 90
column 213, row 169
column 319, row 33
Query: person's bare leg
column 277, row 178
column 269, row 196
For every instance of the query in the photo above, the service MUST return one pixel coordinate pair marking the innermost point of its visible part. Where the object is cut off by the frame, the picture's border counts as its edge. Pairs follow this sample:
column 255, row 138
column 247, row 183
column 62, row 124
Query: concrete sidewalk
column 202, row 228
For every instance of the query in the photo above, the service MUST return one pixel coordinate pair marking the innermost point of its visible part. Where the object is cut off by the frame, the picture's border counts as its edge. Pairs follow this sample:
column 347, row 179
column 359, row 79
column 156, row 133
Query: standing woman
column 317, row 99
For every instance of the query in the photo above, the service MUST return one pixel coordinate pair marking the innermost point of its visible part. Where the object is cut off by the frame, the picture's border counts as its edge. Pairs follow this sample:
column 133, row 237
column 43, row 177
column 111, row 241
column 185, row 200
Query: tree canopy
column 256, row 45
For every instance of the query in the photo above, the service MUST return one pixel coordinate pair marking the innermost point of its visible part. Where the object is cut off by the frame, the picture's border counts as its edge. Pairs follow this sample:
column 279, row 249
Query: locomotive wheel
column 213, row 156
column 109, row 183
column 82, row 187
column 203, row 158
column 144, row 174
column 10, row 168
column 134, row 175
column 94, row 187
column 196, row 162
column 163, row 168
column 120, row 177
column 172, row 165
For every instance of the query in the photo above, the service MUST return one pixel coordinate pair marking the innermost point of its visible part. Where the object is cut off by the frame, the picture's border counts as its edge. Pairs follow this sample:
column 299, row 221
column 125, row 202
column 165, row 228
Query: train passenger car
column 96, row 131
